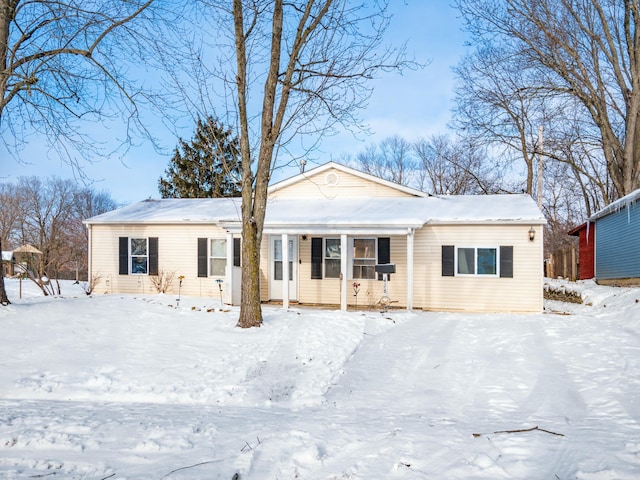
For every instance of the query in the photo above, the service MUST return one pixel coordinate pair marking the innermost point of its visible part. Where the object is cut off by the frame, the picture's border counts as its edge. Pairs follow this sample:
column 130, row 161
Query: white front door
column 276, row 268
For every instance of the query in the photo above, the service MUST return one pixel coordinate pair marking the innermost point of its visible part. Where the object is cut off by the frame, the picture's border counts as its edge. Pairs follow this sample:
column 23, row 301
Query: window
column 477, row 261
column 487, row 258
column 217, row 257
column 139, row 256
column 212, row 257
column 489, row 261
column 466, row 261
column 364, row 258
column 277, row 260
column 362, row 253
column 332, row 258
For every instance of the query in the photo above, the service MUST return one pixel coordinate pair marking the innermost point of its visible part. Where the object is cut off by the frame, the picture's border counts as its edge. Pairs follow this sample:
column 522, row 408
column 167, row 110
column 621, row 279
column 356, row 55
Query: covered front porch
column 323, row 264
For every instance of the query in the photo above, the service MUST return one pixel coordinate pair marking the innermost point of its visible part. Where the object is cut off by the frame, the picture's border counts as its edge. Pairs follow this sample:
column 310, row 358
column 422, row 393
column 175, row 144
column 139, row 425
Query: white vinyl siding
column 173, row 238
column 490, row 293
column 348, row 185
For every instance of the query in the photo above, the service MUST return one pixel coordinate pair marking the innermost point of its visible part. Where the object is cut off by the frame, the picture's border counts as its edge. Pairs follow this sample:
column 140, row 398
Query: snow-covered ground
column 131, row 387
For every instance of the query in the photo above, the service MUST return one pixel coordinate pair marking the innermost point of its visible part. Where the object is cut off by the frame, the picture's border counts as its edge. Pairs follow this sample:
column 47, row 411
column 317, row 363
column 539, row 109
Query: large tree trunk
column 253, row 212
column 4, row 300
column 250, row 310
column 254, row 200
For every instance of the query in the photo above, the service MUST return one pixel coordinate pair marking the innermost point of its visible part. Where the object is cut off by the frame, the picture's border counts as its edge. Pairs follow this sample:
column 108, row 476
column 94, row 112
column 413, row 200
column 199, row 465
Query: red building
column 586, row 249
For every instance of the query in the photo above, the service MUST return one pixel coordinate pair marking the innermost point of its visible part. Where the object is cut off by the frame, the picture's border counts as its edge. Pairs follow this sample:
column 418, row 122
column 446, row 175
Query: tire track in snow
column 408, row 371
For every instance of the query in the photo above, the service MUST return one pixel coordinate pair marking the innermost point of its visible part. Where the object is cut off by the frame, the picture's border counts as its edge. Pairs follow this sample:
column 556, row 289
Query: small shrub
column 162, row 282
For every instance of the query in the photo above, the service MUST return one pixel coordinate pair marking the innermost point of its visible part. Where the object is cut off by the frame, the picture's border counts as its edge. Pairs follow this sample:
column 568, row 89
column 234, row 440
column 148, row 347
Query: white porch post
column 228, row 271
column 285, row 271
column 344, row 267
column 410, row 269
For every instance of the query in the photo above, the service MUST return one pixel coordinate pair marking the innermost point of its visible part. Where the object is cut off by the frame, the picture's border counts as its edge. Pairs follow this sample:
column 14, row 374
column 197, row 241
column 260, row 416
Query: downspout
column 89, row 256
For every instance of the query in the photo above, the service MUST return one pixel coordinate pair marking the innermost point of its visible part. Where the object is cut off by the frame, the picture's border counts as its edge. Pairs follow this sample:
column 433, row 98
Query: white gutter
column 520, row 221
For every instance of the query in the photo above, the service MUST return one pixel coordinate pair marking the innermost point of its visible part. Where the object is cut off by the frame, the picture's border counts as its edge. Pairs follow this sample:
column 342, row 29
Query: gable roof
column 348, row 170
column 389, row 214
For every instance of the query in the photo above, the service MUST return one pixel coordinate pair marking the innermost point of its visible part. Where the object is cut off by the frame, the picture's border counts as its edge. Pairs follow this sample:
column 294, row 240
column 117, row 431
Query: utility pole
column 540, row 166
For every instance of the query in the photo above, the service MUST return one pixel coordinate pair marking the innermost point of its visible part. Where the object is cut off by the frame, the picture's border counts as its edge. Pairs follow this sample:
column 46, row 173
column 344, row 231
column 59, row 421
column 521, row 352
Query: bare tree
column 454, row 166
column 498, row 106
column 48, row 212
column 587, row 50
column 392, row 160
column 570, row 142
column 562, row 205
column 313, row 59
column 51, row 213
column 10, row 216
column 59, row 66
column 10, row 213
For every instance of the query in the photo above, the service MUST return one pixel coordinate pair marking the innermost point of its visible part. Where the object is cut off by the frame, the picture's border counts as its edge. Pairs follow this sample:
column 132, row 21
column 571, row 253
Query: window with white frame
column 332, row 253
column 217, row 257
column 277, row 259
column 364, row 258
column 139, row 255
column 477, row 261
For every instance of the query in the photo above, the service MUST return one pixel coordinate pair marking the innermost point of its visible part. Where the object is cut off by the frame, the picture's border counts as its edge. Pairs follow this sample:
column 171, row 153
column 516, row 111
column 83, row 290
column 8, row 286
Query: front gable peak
column 335, row 180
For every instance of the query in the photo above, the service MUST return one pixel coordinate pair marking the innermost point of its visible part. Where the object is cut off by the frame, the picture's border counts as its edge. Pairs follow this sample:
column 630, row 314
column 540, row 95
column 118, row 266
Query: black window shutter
column 448, row 263
column 384, row 253
column 123, row 255
column 153, row 255
column 316, row 258
column 202, row 257
column 506, row 262
column 236, row 252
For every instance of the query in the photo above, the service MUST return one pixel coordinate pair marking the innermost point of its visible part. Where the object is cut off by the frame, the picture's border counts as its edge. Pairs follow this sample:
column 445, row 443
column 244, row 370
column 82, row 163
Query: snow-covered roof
column 173, row 210
column 617, row 205
column 470, row 209
column 327, row 214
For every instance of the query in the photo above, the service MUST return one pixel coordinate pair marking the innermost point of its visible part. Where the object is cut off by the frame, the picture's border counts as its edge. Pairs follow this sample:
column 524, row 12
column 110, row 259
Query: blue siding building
column 617, row 252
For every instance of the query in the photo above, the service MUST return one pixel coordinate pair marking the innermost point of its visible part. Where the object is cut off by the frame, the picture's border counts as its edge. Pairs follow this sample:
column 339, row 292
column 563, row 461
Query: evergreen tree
column 206, row 167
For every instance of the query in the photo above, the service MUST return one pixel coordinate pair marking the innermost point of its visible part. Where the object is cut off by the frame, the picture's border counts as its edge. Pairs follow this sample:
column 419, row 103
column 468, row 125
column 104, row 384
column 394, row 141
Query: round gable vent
column 332, row 178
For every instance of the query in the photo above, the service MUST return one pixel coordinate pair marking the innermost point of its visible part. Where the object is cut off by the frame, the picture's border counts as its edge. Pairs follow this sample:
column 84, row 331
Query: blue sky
column 415, row 104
